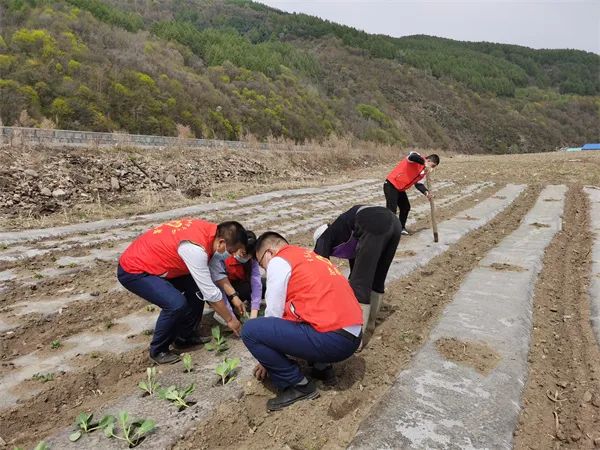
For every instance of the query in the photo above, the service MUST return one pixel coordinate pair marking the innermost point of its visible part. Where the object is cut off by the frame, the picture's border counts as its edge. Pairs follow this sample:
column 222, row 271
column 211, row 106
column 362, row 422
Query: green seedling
column 218, row 343
column 132, row 432
column 109, row 324
column 150, row 308
column 55, row 344
column 43, row 377
column 176, row 396
column 85, row 425
column 245, row 317
column 150, row 385
column 148, row 332
column 188, row 365
column 38, row 276
column 226, row 368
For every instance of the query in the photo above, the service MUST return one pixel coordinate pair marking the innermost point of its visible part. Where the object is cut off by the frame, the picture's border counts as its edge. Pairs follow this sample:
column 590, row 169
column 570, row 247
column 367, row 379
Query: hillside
column 232, row 69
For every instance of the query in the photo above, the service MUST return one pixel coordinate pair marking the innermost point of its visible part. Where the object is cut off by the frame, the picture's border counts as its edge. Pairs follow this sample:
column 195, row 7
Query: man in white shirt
column 311, row 313
column 168, row 266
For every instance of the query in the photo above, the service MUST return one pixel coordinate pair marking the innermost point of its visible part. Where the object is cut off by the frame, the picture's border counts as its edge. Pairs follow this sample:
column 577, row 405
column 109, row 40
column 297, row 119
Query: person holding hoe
column 169, row 267
column 409, row 172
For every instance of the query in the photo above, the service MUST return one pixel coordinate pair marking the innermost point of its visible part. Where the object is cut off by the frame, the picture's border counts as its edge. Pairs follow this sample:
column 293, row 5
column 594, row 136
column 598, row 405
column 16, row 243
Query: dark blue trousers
column 181, row 307
column 271, row 339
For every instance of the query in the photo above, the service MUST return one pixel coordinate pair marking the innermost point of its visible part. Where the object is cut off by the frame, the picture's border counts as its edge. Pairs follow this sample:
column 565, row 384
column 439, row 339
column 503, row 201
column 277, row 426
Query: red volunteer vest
column 318, row 293
column 155, row 251
column 235, row 269
column 406, row 174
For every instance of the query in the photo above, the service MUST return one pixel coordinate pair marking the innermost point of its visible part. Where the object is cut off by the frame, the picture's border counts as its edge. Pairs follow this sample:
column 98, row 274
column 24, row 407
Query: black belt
column 348, row 335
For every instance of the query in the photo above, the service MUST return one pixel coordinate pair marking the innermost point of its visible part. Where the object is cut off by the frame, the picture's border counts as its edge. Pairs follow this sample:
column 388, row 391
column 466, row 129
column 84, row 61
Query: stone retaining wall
column 39, row 136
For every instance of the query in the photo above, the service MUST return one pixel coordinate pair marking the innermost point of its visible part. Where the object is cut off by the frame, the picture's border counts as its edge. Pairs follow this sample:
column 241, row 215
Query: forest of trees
column 233, row 68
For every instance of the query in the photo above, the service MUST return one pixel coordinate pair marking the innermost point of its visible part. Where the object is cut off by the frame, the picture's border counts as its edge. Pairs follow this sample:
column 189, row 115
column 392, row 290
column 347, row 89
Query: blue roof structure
column 591, row 147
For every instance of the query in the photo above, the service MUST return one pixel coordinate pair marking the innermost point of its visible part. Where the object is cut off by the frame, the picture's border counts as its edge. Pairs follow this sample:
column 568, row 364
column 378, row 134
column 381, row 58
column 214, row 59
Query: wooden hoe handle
column 433, row 221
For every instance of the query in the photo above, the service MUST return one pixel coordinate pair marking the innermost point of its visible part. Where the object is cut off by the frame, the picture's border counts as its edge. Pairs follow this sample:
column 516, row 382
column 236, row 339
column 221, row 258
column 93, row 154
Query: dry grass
column 337, row 160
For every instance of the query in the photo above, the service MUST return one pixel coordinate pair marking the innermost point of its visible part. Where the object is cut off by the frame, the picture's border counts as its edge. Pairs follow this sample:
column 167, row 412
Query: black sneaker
column 165, row 358
column 292, row 394
column 192, row 341
column 326, row 375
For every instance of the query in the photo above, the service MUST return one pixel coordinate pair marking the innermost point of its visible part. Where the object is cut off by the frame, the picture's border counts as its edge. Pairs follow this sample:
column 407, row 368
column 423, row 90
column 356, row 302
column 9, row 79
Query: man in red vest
column 410, row 171
column 311, row 314
column 169, row 266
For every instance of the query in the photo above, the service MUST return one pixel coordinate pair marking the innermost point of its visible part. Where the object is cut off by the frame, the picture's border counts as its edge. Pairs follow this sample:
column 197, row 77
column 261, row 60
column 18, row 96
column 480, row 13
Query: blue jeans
column 271, row 339
column 180, row 302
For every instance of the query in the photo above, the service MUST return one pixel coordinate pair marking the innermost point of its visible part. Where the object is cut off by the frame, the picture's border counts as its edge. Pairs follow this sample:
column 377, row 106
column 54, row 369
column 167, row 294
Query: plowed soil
column 562, row 397
column 564, row 358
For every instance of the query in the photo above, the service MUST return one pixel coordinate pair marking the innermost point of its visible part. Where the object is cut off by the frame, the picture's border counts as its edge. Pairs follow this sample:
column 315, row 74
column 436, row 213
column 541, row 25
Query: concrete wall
column 39, row 136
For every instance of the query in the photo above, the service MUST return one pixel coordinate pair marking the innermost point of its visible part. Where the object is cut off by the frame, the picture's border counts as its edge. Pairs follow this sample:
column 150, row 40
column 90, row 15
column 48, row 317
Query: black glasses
column 262, row 257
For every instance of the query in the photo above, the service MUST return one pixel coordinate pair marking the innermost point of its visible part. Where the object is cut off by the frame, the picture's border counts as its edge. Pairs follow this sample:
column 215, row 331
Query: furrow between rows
column 463, row 388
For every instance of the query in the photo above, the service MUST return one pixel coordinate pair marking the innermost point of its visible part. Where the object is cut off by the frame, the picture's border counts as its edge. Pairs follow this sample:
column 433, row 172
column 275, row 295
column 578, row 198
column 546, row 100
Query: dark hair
column 434, row 159
column 233, row 233
column 251, row 245
column 269, row 238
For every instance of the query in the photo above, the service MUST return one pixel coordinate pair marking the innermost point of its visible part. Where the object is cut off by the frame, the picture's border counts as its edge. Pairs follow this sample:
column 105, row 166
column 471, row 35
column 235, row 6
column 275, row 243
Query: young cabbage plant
column 176, row 395
column 218, row 343
column 149, row 385
column 55, row 344
column 85, row 424
column 188, row 365
column 226, row 368
column 133, row 432
column 43, row 377
column 245, row 317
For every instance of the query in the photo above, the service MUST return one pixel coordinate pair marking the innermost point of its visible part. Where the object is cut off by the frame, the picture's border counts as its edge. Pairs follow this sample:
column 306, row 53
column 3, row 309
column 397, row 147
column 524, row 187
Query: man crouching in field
column 311, row 314
column 168, row 266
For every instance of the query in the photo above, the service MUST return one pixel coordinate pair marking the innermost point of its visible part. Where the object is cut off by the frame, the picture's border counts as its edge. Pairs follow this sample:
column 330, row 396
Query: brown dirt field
column 473, row 354
column 75, row 318
column 100, row 380
column 76, row 315
column 563, row 386
column 285, row 171
column 36, row 331
column 410, row 310
column 508, row 267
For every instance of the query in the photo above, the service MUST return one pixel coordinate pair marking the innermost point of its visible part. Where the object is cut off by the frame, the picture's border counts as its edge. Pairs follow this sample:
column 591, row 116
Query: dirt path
column 412, row 307
column 562, row 396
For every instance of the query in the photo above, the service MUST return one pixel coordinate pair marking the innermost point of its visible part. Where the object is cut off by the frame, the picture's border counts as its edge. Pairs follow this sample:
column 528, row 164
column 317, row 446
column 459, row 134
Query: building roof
column 591, row 147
